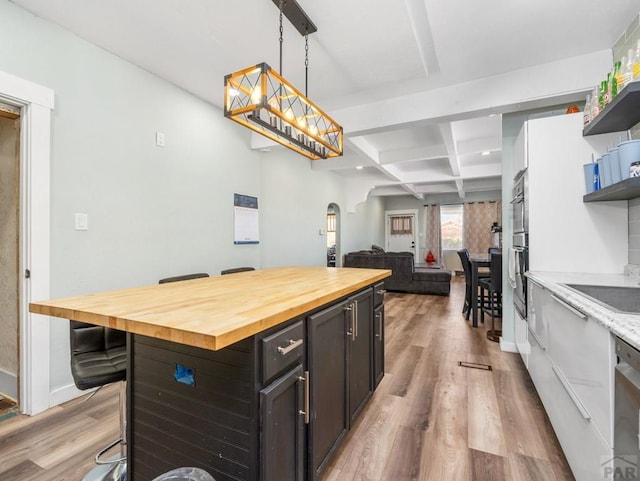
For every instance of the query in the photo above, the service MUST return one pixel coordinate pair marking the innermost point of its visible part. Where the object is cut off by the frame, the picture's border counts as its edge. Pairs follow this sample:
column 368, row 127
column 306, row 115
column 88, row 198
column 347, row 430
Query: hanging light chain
column 281, row 34
column 306, row 65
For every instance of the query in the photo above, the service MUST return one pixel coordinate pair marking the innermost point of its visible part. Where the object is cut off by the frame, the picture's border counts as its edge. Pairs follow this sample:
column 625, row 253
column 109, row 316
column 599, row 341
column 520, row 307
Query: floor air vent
column 473, row 365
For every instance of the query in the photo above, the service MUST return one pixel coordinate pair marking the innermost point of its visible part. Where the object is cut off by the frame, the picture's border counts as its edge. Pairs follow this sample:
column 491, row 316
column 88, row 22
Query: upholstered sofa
column 404, row 278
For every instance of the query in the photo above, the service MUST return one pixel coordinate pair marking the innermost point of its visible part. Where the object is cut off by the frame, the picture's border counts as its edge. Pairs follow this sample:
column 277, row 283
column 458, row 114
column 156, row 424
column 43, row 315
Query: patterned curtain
column 433, row 240
column 478, row 218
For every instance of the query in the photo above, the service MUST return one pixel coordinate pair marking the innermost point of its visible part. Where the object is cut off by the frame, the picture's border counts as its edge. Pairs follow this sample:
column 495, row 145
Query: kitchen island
column 252, row 376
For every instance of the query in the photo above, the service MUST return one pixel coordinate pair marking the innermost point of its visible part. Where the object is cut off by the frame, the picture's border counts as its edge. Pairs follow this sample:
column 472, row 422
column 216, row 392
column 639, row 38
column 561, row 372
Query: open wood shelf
column 623, row 190
column 621, row 114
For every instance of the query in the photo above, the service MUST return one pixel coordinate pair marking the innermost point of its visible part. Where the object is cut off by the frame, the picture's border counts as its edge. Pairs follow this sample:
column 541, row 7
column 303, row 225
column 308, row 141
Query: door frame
column 36, row 103
column 416, row 227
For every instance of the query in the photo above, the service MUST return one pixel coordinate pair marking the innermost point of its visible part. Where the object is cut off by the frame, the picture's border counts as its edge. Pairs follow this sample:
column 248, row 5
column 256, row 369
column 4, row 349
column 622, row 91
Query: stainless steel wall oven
column 519, row 254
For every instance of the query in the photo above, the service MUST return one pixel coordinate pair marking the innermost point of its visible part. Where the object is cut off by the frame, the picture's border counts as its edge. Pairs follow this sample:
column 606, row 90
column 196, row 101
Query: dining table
column 476, row 262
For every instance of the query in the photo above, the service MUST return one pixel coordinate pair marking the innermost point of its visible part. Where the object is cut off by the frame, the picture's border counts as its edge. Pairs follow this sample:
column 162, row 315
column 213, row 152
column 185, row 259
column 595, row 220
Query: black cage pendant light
column 261, row 99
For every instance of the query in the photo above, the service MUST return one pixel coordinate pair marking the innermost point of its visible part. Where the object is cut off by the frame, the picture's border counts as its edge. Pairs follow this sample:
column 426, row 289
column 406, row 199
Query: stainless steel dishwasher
column 626, row 434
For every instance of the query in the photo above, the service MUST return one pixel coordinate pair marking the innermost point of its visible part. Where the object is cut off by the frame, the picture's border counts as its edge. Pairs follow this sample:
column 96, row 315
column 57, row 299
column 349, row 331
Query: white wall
column 155, row 212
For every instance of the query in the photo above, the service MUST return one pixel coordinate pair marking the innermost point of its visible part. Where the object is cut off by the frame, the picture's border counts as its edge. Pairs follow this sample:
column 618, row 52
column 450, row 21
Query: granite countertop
column 623, row 325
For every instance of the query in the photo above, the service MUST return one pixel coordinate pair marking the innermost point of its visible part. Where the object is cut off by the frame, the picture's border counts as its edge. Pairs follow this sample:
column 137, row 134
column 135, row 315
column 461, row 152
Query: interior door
column 9, row 253
column 401, row 231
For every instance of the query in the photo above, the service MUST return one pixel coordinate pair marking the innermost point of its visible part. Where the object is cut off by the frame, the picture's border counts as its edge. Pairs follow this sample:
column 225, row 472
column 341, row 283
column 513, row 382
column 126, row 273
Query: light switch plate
column 82, row 221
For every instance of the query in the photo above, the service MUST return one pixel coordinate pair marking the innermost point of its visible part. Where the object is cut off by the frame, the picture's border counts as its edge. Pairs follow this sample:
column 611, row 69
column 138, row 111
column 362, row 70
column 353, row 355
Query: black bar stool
column 98, row 358
column 493, row 285
column 237, row 269
column 185, row 277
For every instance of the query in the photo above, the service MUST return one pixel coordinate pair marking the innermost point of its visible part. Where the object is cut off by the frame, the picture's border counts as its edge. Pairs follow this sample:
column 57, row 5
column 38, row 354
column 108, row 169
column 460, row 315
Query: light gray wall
column 155, row 212
column 364, row 227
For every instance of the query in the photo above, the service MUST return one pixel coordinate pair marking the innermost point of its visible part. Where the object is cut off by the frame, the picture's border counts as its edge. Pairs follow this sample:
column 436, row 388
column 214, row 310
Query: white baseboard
column 63, row 394
column 508, row 346
column 9, row 384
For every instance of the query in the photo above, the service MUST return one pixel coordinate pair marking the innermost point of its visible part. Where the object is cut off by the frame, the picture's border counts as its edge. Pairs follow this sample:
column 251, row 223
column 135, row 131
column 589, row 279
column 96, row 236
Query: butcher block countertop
column 214, row 312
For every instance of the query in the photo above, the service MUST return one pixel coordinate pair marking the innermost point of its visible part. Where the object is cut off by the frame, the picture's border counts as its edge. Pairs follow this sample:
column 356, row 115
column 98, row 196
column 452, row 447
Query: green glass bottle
column 602, row 96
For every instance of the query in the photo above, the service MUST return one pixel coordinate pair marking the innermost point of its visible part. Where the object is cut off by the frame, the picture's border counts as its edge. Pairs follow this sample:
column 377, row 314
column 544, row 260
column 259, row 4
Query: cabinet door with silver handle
column 284, row 410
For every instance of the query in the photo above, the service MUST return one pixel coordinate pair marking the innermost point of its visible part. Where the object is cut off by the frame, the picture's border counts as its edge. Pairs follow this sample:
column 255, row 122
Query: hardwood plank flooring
column 429, row 420
column 454, row 423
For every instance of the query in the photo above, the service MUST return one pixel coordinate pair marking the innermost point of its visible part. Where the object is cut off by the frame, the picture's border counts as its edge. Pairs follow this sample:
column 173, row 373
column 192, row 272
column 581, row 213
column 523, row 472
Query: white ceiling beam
column 538, row 86
column 474, row 146
column 424, row 38
column 410, row 188
column 460, row 188
column 449, row 140
column 413, row 153
column 472, row 172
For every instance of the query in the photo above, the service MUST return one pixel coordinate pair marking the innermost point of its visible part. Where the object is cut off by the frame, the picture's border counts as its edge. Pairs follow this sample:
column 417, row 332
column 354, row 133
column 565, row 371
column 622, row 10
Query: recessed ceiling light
column 486, row 152
column 359, row 167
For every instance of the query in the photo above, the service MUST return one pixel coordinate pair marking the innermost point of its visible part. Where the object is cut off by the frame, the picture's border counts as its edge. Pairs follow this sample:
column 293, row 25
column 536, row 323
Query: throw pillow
column 377, row 249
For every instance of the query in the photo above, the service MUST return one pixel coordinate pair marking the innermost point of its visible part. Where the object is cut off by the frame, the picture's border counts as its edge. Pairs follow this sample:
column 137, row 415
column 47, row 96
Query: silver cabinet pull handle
column 350, row 330
column 355, row 319
column 567, row 387
column 292, row 345
column 380, row 326
column 570, row 308
column 305, row 413
column 382, row 292
column 537, row 339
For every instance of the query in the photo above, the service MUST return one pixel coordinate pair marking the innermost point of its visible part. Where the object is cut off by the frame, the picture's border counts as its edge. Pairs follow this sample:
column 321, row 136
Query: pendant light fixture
column 264, row 101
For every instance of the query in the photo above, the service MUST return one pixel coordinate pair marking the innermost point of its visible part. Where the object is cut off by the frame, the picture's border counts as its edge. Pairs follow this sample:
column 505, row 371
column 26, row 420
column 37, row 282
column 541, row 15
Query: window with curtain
column 451, row 226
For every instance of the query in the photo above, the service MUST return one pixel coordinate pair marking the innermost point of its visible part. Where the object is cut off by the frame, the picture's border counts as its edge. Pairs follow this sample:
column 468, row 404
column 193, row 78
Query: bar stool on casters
column 98, row 358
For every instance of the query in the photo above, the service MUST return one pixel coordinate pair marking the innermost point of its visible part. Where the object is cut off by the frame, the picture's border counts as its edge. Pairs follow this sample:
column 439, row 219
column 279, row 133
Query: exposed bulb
column 256, row 95
column 273, row 103
column 289, row 114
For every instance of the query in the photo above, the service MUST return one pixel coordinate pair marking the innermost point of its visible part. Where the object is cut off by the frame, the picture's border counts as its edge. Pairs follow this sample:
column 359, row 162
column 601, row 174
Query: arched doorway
column 333, row 235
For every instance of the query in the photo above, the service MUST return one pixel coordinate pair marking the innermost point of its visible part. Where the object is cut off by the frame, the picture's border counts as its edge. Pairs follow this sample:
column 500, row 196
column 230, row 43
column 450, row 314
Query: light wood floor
column 433, row 420
column 429, row 420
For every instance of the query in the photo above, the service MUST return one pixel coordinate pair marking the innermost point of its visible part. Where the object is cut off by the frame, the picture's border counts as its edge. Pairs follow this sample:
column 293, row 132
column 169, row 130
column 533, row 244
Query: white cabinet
column 565, row 234
column 522, row 341
column 571, row 362
column 583, row 353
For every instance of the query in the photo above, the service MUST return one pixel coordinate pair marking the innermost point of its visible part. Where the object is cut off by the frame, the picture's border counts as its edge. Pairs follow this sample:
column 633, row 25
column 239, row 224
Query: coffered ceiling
column 412, row 81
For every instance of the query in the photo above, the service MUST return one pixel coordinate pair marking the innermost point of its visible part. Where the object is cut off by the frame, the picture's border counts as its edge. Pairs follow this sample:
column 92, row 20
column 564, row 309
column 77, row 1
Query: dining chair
column 466, row 267
column 493, row 285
